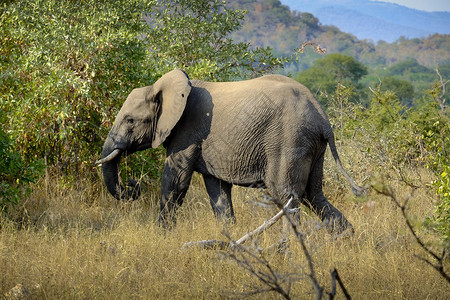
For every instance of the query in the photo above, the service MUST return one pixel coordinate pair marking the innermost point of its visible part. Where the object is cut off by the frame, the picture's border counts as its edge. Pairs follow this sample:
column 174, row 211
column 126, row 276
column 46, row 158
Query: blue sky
column 427, row 5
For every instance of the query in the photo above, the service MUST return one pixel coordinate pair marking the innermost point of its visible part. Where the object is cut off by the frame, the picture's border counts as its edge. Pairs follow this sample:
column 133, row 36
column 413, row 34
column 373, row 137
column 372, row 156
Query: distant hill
column 374, row 20
column 270, row 23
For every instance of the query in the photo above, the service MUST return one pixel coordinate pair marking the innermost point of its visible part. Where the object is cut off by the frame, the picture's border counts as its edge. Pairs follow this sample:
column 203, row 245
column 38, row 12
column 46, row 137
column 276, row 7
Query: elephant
column 269, row 132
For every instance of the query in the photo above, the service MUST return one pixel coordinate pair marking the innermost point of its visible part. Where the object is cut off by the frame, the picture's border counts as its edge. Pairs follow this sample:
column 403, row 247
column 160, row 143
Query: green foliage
column 331, row 71
column 397, row 137
column 408, row 79
column 65, row 68
column 385, row 111
column 404, row 90
column 195, row 36
column 434, row 123
column 410, row 70
column 16, row 174
column 409, row 65
column 342, row 67
column 341, row 111
column 441, row 220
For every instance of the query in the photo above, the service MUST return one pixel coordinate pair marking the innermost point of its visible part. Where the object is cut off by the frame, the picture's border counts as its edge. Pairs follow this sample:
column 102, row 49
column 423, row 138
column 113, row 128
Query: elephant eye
column 130, row 121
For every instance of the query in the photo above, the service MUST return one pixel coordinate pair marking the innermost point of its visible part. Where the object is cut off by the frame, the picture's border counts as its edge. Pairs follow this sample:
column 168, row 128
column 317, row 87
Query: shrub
column 16, row 174
column 66, row 67
column 397, row 137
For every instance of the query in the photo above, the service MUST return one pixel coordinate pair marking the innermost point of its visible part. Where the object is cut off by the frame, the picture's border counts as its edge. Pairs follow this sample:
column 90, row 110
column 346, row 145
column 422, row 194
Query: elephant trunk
column 110, row 169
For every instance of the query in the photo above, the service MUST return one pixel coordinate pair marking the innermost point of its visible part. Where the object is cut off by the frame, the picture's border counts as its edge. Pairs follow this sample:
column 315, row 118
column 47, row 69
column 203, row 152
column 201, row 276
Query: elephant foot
column 226, row 220
column 339, row 226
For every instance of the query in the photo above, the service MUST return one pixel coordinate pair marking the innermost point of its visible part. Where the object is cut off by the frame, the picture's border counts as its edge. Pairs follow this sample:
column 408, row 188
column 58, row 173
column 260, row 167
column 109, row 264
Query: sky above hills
column 428, row 5
column 386, row 20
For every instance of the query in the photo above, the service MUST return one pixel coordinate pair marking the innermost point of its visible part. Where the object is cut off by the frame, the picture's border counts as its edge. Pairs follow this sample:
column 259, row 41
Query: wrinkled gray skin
column 267, row 132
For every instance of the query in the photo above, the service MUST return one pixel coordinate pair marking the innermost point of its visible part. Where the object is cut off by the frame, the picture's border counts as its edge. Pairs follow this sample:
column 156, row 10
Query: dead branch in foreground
column 334, row 274
column 222, row 245
column 335, row 277
column 258, row 266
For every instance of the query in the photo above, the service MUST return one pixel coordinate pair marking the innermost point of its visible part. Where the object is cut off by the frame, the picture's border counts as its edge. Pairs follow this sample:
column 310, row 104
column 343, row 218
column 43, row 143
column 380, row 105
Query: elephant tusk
column 111, row 156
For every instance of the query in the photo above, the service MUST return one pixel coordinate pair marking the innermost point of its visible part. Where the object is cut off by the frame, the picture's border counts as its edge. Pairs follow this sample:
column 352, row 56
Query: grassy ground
column 67, row 242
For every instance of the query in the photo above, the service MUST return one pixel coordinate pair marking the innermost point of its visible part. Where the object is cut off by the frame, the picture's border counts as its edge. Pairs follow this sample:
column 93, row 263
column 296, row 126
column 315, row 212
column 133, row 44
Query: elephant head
column 145, row 120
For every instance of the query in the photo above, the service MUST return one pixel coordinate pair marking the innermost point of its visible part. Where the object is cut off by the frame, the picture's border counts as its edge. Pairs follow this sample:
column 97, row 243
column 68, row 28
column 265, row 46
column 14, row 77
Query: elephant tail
column 356, row 189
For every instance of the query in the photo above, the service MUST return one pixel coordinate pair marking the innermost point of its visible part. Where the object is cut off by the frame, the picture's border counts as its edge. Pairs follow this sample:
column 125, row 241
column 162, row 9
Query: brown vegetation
column 81, row 243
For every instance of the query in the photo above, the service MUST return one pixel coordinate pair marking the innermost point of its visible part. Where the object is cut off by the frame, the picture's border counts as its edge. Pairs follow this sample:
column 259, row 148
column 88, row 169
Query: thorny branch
column 439, row 265
column 258, row 266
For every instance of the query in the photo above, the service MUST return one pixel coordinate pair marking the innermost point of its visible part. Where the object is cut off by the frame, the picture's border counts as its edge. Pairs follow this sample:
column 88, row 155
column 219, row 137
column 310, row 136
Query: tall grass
column 78, row 242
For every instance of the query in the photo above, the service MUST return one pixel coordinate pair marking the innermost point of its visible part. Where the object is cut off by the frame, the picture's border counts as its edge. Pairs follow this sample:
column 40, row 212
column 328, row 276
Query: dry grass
column 80, row 243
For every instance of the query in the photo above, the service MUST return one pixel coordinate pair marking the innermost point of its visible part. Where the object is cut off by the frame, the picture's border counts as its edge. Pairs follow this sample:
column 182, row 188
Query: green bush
column 434, row 123
column 441, row 220
column 195, row 36
column 16, row 174
column 397, row 137
column 66, row 67
column 330, row 71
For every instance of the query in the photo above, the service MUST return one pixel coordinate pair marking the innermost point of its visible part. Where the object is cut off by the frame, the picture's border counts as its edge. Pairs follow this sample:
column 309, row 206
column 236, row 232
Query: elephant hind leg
column 330, row 215
column 288, row 179
column 219, row 193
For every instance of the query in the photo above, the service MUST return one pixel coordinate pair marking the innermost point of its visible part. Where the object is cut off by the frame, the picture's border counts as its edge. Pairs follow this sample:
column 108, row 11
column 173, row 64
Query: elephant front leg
column 174, row 185
column 219, row 193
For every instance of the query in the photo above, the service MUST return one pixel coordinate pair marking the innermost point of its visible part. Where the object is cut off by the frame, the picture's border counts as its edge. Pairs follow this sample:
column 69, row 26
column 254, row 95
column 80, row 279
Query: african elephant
column 266, row 132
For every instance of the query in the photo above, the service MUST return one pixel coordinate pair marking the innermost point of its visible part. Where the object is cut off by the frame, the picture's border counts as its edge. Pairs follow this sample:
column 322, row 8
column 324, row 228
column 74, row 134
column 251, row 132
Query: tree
column 342, row 67
column 327, row 72
column 409, row 65
column 66, row 67
column 403, row 89
column 195, row 36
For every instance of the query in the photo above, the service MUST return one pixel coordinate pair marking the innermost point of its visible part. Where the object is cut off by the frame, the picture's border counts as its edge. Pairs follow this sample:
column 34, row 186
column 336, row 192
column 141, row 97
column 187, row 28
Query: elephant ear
column 173, row 89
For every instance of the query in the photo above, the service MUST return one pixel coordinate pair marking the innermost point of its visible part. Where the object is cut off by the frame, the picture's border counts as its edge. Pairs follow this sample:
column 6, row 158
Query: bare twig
column 267, row 224
column 438, row 266
column 259, row 267
column 316, row 47
column 335, row 277
column 443, row 83
column 404, row 179
column 312, row 275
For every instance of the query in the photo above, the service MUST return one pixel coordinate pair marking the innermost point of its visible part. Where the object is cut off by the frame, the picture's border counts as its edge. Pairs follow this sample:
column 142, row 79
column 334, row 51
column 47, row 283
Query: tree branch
column 387, row 191
column 221, row 245
column 441, row 98
column 335, row 277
